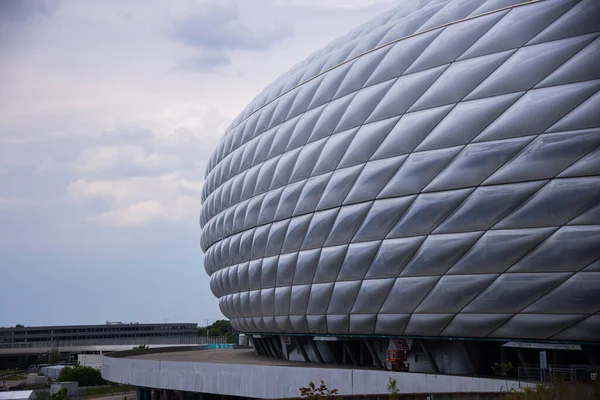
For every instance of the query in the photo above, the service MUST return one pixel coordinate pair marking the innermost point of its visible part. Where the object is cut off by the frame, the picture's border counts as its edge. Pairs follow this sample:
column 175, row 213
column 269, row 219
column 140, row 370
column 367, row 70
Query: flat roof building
column 111, row 330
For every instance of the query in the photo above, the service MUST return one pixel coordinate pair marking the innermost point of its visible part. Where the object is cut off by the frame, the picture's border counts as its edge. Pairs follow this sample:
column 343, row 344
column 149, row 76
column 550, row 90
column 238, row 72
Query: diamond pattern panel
column 436, row 172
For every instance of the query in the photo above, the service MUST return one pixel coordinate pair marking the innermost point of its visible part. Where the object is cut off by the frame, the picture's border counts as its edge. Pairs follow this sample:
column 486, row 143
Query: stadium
column 422, row 192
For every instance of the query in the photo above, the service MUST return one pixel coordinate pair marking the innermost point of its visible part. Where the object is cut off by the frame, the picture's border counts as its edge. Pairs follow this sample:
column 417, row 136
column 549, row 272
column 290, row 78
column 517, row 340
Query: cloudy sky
column 108, row 113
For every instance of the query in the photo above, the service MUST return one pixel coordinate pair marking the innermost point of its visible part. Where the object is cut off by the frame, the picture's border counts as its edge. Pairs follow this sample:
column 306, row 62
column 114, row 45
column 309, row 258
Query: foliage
column 313, row 392
column 60, row 395
column 141, row 346
column 503, row 369
column 220, row 327
column 108, row 390
column 392, row 388
column 54, row 355
column 85, row 376
column 15, row 377
column 19, row 326
column 559, row 390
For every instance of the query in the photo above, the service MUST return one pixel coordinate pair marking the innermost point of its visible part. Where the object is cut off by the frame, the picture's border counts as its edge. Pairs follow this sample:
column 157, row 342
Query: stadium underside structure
column 430, row 180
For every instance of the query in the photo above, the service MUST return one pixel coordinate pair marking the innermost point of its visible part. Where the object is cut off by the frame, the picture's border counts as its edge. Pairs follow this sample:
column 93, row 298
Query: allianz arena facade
column 433, row 174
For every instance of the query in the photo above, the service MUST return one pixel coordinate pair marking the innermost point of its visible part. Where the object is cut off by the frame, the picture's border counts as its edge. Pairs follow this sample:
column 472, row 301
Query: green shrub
column 60, row 395
column 84, row 376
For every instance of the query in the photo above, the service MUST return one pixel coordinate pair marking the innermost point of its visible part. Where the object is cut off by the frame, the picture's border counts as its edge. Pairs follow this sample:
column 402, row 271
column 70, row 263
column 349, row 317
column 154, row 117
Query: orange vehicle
column 397, row 360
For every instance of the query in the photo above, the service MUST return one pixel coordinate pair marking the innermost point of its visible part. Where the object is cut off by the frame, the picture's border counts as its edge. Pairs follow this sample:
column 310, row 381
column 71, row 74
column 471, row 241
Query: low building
column 109, row 330
column 18, row 395
column 52, row 372
column 90, row 360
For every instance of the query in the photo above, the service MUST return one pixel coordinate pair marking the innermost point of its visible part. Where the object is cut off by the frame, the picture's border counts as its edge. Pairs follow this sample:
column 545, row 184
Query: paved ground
column 130, row 396
column 231, row 356
column 8, row 384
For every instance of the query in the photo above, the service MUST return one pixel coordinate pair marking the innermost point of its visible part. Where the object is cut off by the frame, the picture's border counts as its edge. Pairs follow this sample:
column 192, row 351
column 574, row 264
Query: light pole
column 206, row 329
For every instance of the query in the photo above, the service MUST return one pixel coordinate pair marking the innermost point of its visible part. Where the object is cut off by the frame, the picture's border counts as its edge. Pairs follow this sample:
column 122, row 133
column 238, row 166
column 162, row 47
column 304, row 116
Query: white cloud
column 106, row 158
column 139, row 200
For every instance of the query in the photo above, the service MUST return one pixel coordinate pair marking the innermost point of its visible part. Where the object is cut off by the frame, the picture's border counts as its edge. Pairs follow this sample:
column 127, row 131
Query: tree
column 393, row 389
column 220, row 327
column 19, row 326
column 141, row 346
column 54, row 355
column 312, row 392
column 83, row 375
column 60, row 395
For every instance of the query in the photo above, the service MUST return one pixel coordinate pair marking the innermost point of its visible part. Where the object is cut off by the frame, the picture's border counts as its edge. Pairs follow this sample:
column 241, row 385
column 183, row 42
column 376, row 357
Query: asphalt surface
column 231, row 356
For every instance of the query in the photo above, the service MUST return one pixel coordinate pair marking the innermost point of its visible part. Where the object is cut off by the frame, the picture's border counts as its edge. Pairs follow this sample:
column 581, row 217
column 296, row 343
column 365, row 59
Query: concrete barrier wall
column 272, row 382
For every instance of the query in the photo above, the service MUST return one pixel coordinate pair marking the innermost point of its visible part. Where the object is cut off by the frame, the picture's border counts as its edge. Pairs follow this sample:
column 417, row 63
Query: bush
column 60, row 395
column 321, row 392
column 84, row 376
column 558, row 391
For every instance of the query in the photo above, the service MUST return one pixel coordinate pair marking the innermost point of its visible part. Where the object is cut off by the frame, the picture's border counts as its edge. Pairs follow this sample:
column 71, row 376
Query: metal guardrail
column 572, row 373
column 166, row 340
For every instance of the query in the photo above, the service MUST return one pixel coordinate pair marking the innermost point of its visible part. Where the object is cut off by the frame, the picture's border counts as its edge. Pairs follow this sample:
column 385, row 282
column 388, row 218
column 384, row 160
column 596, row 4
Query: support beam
column 273, row 342
column 267, row 347
column 301, row 348
column 429, row 356
column 332, row 351
column 374, row 355
column 257, row 346
column 523, row 361
column 592, row 354
column 468, row 356
column 316, row 350
column 349, row 351
column 263, row 347
column 522, row 358
column 361, row 352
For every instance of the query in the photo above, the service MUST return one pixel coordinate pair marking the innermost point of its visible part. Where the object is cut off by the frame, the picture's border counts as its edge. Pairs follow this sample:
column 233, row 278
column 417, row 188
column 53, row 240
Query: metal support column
column 523, row 361
column 361, row 352
column 349, row 351
column 301, row 348
column 468, row 356
column 374, row 355
column 256, row 346
column 267, row 348
column 316, row 349
column 333, row 355
column 260, row 347
column 429, row 356
column 276, row 347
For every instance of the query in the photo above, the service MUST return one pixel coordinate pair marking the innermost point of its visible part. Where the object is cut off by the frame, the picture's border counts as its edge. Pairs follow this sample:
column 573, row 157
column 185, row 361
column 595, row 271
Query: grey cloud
column 207, row 61
column 218, row 26
column 23, row 10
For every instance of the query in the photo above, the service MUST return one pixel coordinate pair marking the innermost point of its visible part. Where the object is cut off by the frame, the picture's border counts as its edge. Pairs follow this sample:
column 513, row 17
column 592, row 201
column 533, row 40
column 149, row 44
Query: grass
column 17, row 377
column 104, row 390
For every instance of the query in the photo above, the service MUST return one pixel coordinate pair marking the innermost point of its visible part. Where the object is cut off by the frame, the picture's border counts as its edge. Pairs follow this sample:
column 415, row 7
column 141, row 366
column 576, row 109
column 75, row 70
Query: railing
column 156, row 340
column 573, row 373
